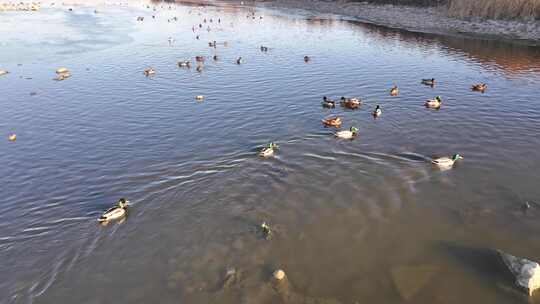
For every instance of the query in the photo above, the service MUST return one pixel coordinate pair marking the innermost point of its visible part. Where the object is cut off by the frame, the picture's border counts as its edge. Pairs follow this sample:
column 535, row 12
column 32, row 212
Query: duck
column 199, row 58
column 350, row 103
column 12, row 137
column 115, row 212
column 212, row 44
column 268, row 150
column 328, row 103
column 199, row 97
column 429, row 82
column 332, row 122
column 347, row 134
column 149, row 71
column 3, row 72
column 434, row 103
column 215, row 57
column 306, row 58
column 239, row 60
column 481, row 87
column 62, row 76
column 62, row 70
column 394, row 91
column 267, row 232
column 264, row 49
column 377, row 112
column 184, row 64
column 446, row 161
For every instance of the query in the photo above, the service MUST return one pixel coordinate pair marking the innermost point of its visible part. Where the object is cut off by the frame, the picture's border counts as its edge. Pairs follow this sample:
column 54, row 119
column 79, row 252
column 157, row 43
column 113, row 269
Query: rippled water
column 346, row 215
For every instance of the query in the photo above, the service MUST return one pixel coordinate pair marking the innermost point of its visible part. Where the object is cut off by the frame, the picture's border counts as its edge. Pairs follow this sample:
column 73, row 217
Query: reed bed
column 495, row 9
column 489, row 9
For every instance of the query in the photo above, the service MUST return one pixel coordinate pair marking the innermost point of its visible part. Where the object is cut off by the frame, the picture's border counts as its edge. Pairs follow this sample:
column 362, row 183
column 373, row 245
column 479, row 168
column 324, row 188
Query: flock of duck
column 119, row 210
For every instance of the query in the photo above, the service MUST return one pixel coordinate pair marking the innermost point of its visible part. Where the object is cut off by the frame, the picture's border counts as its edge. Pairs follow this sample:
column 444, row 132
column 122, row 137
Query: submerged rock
column 526, row 273
column 409, row 280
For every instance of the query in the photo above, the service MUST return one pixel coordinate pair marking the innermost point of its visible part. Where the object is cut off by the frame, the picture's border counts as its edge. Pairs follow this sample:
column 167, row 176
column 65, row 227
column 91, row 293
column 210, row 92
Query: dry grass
column 495, row 9
column 407, row 2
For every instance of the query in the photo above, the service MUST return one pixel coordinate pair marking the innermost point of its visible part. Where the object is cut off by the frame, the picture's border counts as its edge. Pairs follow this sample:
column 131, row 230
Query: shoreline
column 431, row 20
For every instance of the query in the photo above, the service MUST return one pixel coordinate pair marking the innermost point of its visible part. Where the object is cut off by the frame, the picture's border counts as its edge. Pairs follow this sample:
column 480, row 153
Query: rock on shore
column 526, row 273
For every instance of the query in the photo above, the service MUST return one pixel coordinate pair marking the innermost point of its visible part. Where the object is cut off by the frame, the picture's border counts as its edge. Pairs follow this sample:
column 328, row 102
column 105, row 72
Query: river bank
column 418, row 19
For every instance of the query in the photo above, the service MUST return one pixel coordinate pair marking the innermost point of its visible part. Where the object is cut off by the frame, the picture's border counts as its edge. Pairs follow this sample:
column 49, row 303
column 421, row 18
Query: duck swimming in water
column 481, row 87
column 394, row 91
column 332, row 122
column 268, row 150
column 328, row 103
column 62, row 76
column 266, row 231
column 429, row 82
column 184, row 64
column 149, row 72
column 446, row 162
column 434, row 103
column 239, row 60
column 115, row 212
column 350, row 103
column 264, row 49
column 347, row 134
column 3, row 72
column 377, row 112
column 306, row 59
column 62, row 70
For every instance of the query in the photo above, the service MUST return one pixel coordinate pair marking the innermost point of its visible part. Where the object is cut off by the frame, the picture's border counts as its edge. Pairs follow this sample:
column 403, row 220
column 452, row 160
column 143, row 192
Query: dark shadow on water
column 483, row 263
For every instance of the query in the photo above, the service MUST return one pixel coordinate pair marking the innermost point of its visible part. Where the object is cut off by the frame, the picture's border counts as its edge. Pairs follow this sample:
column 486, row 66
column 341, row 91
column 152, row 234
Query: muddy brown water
column 362, row 221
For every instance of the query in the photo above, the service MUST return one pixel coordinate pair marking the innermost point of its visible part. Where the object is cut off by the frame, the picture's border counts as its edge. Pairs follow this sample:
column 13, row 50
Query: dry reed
column 495, row 9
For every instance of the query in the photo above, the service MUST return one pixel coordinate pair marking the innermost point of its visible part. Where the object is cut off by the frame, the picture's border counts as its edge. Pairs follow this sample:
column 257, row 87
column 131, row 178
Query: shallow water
column 345, row 214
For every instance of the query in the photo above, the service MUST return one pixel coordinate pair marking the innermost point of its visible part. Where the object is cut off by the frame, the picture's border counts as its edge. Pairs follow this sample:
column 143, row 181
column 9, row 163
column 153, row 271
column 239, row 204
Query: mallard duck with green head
column 116, row 212
column 347, row 134
column 268, row 150
column 434, row 103
column 446, row 161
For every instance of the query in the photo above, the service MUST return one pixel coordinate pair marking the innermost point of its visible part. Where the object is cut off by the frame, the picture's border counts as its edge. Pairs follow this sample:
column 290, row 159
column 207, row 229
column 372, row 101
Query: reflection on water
column 351, row 220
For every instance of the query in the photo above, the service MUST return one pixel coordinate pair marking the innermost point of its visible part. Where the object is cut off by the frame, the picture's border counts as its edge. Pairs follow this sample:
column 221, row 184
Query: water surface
column 346, row 214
